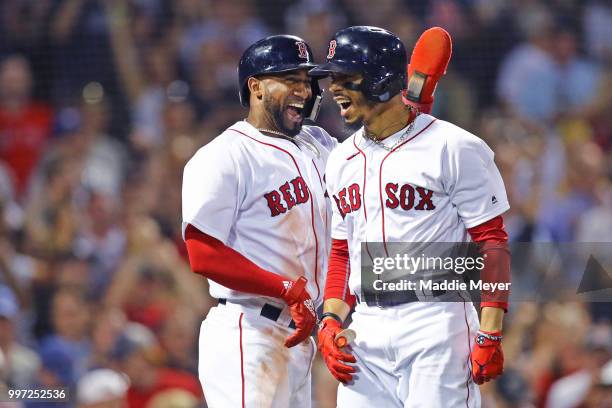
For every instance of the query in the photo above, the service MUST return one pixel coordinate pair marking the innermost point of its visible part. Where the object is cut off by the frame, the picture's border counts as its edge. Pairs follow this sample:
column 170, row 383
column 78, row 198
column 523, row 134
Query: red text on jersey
column 348, row 199
column 288, row 195
column 405, row 196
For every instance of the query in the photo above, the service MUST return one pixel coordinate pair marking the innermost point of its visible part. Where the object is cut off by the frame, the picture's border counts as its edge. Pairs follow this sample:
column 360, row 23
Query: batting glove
column 302, row 311
column 332, row 355
column 487, row 356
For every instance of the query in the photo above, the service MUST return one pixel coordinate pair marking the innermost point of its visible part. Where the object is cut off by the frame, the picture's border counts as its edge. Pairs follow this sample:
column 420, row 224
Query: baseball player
column 406, row 177
column 255, row 222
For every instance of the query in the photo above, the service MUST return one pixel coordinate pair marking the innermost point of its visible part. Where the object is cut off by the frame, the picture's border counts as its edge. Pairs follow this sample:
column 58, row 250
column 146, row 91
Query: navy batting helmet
column 276, row 54
column 377, row 54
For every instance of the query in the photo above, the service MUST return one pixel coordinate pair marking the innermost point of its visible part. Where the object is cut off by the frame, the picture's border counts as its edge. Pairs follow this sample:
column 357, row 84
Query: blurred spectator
column 560, row 213
column 101, row 241
column 81, row 50
column 70, row 315
column 25, row 125
column 579, row 78
column 598, row 29
column 178, row 341
column 212, row 76
column 316, row 22
column 105, row 159
column 572, row 390
column 21, row 364
column 527, row 82
column 233, row 21
column 57, row 371
column 145, row 76
column 102, row 388
column 141, row 358
column 153, row 279
column 108, row 327
column 52, row 217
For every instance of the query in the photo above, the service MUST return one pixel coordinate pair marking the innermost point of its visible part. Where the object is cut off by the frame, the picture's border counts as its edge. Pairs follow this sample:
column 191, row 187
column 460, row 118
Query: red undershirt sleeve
column 493, row 239
column 338, row 272
column 209, row 257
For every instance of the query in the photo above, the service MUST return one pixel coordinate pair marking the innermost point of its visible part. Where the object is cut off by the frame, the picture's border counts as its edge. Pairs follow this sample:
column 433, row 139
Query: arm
column 337, row 305
column 213, row 259
column 65, row 19
column 338, row 299
column 487, row 355
column 126, row 58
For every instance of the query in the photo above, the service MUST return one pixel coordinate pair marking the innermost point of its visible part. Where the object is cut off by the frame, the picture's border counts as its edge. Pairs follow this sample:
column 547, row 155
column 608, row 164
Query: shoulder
column 219, row 150
column 342, row 155
column 320, row 135
column 453, row 137
column 459, row 145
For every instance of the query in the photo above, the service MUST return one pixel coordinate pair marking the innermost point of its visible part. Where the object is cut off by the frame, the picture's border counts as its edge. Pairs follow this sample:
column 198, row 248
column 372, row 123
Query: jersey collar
column 419, row 123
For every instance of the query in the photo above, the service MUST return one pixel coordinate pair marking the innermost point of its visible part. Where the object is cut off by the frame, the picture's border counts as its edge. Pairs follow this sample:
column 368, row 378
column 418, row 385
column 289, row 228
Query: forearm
column 214, row 260
column 338, row 299
column 493, row 241
column 338, row 307
column 491, row 319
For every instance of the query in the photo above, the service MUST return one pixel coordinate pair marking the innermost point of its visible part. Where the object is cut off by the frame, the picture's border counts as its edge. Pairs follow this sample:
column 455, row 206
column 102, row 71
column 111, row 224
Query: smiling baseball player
column 256, row 224
column 406, row 177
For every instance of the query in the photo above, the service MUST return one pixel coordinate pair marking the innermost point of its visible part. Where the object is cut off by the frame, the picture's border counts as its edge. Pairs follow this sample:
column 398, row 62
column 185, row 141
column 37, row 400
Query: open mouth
column 295, row 111
column 344, row 104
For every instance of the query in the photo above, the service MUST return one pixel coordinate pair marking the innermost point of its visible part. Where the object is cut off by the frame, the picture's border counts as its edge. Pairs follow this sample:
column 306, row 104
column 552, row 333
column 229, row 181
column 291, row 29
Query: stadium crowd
column 102, row 102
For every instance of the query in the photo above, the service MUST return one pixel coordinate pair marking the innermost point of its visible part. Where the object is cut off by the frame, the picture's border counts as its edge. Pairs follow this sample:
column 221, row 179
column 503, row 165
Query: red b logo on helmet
column 332, row 49
column 302, row 50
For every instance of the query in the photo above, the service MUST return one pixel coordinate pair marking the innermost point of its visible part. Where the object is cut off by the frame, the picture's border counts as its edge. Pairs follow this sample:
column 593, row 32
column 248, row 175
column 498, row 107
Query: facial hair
column 276, row 115
column 350, row 128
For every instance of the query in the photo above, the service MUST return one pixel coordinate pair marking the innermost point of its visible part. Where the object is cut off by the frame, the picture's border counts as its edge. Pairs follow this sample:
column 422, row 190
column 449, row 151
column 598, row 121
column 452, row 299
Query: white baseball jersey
column 264, row 197
column 430, row 185
column 436, row 182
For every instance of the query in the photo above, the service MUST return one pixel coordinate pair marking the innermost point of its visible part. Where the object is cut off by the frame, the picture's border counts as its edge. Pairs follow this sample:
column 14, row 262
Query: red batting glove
column 428, row 63
column 487, row 356
column 332, row 355
column 302, row 311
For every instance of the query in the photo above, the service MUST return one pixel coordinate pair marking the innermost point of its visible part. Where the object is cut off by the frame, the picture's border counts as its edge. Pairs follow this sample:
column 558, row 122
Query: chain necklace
column 399, row 140
column 297, row 139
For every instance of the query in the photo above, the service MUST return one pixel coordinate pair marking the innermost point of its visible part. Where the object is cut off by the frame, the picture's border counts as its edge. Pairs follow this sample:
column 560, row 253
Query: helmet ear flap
column 311, row 110
column 386, row 88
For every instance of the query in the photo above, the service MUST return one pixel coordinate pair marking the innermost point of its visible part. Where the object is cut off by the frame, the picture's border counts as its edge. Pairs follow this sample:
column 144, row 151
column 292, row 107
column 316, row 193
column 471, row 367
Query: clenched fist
column 487, row 356
column 333, row 356
column 302, row 311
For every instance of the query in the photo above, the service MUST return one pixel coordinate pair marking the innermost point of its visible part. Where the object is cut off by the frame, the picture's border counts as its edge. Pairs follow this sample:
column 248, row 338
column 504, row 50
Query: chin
column 292, row 131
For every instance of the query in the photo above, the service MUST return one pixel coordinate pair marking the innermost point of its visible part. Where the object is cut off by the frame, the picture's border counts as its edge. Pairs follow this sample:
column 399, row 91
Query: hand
column 487, row 356
column 332, row 355
column 302, row 311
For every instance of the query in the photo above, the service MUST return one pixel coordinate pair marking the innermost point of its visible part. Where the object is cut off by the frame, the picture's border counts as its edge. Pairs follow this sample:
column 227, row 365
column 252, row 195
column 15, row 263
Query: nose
column 336, row 85
column 303, row 90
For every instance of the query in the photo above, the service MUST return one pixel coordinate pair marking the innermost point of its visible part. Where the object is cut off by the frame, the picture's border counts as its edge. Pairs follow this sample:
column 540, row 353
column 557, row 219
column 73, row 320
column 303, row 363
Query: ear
column 255, row 87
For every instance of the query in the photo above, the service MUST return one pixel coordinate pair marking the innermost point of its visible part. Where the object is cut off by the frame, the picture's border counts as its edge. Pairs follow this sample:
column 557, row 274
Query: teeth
column 297, row 105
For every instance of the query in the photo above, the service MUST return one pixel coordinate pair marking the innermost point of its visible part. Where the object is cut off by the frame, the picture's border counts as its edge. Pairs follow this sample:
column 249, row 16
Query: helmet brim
column 334, row 67
column 281, row 69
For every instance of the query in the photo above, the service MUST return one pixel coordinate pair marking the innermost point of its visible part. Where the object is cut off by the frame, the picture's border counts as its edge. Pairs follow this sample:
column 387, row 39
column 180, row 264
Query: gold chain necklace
column 397, row 142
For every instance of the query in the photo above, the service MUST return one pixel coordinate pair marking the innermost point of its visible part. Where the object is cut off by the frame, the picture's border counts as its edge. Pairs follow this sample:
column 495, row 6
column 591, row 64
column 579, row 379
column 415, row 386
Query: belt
column 408, row 296
column 268, row 311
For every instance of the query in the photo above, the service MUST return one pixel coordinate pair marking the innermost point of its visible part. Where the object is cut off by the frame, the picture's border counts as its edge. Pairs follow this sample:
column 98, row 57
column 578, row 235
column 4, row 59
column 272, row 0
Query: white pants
column 414, row 355
column 244, row 363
